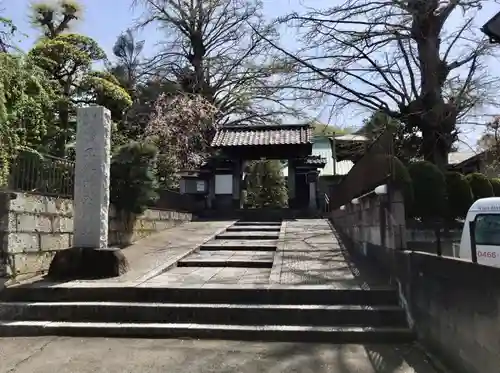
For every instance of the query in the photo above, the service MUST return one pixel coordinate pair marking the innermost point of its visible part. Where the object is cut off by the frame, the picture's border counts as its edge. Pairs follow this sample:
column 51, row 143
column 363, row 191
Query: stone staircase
column 309, row 313
column 216, row 309
column 243, row 245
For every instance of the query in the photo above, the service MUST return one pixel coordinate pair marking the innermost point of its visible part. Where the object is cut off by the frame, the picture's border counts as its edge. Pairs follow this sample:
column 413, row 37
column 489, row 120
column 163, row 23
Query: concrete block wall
column 455, row 308
column 424, row 240
column 34, row 227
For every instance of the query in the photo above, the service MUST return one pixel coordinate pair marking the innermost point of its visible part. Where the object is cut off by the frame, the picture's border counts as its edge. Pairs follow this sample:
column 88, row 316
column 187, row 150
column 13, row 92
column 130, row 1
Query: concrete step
column 245, row 259
column 228, row 262
column 256, row 223
column 284, row 333
column 253, row 228
column 214, row 246
column 261, row 314
column 277, row 294
column 248, row 236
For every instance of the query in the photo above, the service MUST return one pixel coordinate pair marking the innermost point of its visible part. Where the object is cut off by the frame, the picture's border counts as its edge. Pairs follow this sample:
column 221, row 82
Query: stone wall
column 455, row 309
column 34, row 227
column 373, row 221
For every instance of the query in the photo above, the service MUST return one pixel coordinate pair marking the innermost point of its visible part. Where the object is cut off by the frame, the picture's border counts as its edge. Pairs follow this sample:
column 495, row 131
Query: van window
column 487, row 230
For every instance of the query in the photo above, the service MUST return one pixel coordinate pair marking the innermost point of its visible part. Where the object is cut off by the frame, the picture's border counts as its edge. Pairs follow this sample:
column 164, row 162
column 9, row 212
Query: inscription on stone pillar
column 92, row 176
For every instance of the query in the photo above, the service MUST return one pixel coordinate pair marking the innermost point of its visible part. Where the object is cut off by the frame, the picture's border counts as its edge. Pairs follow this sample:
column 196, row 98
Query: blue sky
column 103, row 21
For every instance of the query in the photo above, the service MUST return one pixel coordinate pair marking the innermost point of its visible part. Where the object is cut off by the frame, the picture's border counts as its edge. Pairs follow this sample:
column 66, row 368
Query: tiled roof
column 262, row 135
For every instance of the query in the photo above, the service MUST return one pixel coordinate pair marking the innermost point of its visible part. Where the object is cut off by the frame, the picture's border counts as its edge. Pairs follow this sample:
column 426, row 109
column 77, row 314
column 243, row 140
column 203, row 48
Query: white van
column 482, row 230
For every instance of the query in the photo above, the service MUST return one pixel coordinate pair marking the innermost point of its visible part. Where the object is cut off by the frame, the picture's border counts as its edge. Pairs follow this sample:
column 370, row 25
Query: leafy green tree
column 27, row 102
column 266, row 185
column 68, row 59
column 407, row 141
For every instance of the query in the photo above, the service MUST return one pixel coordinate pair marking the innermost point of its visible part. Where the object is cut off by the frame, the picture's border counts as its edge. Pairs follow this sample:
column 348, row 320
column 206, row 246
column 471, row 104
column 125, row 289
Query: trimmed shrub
column 480, row 185
column 402, row 180
column 459, row 195
column 133, row 183
column 429, row 189
column 495, row 183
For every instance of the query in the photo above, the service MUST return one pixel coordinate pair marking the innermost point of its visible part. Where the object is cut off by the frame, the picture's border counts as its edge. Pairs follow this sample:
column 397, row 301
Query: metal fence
column 36, row 173
column 41, row 174
column 371, row 170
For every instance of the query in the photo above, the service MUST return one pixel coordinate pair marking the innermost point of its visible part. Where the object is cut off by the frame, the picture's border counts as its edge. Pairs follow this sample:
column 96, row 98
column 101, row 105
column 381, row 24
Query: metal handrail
column 327, row 202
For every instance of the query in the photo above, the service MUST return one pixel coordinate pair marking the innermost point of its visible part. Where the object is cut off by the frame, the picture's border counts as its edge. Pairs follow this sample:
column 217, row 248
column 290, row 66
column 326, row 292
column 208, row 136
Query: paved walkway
column 96, row 355
column 307, row 253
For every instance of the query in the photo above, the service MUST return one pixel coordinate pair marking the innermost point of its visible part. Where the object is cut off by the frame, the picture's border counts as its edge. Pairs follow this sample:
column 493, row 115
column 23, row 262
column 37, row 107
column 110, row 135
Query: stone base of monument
column 87, row 264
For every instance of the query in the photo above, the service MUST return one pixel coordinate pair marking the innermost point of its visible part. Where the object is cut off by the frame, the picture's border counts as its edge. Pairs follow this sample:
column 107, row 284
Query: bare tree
column 7, row 31
column 489, row 143
column 212, row 49
column 398, row 58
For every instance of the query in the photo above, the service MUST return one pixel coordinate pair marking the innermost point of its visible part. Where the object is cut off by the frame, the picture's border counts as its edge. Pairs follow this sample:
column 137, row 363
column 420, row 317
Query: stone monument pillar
column 92, row 169
column 90, row 258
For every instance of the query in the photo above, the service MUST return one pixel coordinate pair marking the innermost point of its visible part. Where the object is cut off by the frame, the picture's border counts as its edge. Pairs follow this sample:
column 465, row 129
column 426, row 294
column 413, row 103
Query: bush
column 402, row 180
column 495, row 183
column 429, row 189
column 133, row 183
column 459, row 195
column 480, row 185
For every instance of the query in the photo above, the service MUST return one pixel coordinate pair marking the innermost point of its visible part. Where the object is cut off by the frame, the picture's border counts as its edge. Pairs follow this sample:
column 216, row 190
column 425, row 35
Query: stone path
column 309, row 253
column 306, row 252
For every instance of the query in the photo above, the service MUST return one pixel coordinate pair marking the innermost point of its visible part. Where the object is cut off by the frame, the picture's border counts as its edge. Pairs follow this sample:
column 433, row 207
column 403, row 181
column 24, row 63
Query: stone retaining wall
column 34, row 227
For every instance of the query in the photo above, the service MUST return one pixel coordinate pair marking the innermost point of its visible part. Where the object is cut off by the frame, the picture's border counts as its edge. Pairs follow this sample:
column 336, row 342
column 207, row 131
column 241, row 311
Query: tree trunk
column 64, row 127
column 434, row 148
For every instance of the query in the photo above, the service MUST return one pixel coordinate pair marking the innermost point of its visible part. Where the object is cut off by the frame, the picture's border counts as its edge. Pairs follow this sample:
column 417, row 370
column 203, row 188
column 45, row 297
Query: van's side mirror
column 472, row 233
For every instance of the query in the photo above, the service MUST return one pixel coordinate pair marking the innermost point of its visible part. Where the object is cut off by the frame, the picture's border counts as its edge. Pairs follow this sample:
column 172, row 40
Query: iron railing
column 32, row 172
column 36, row 173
